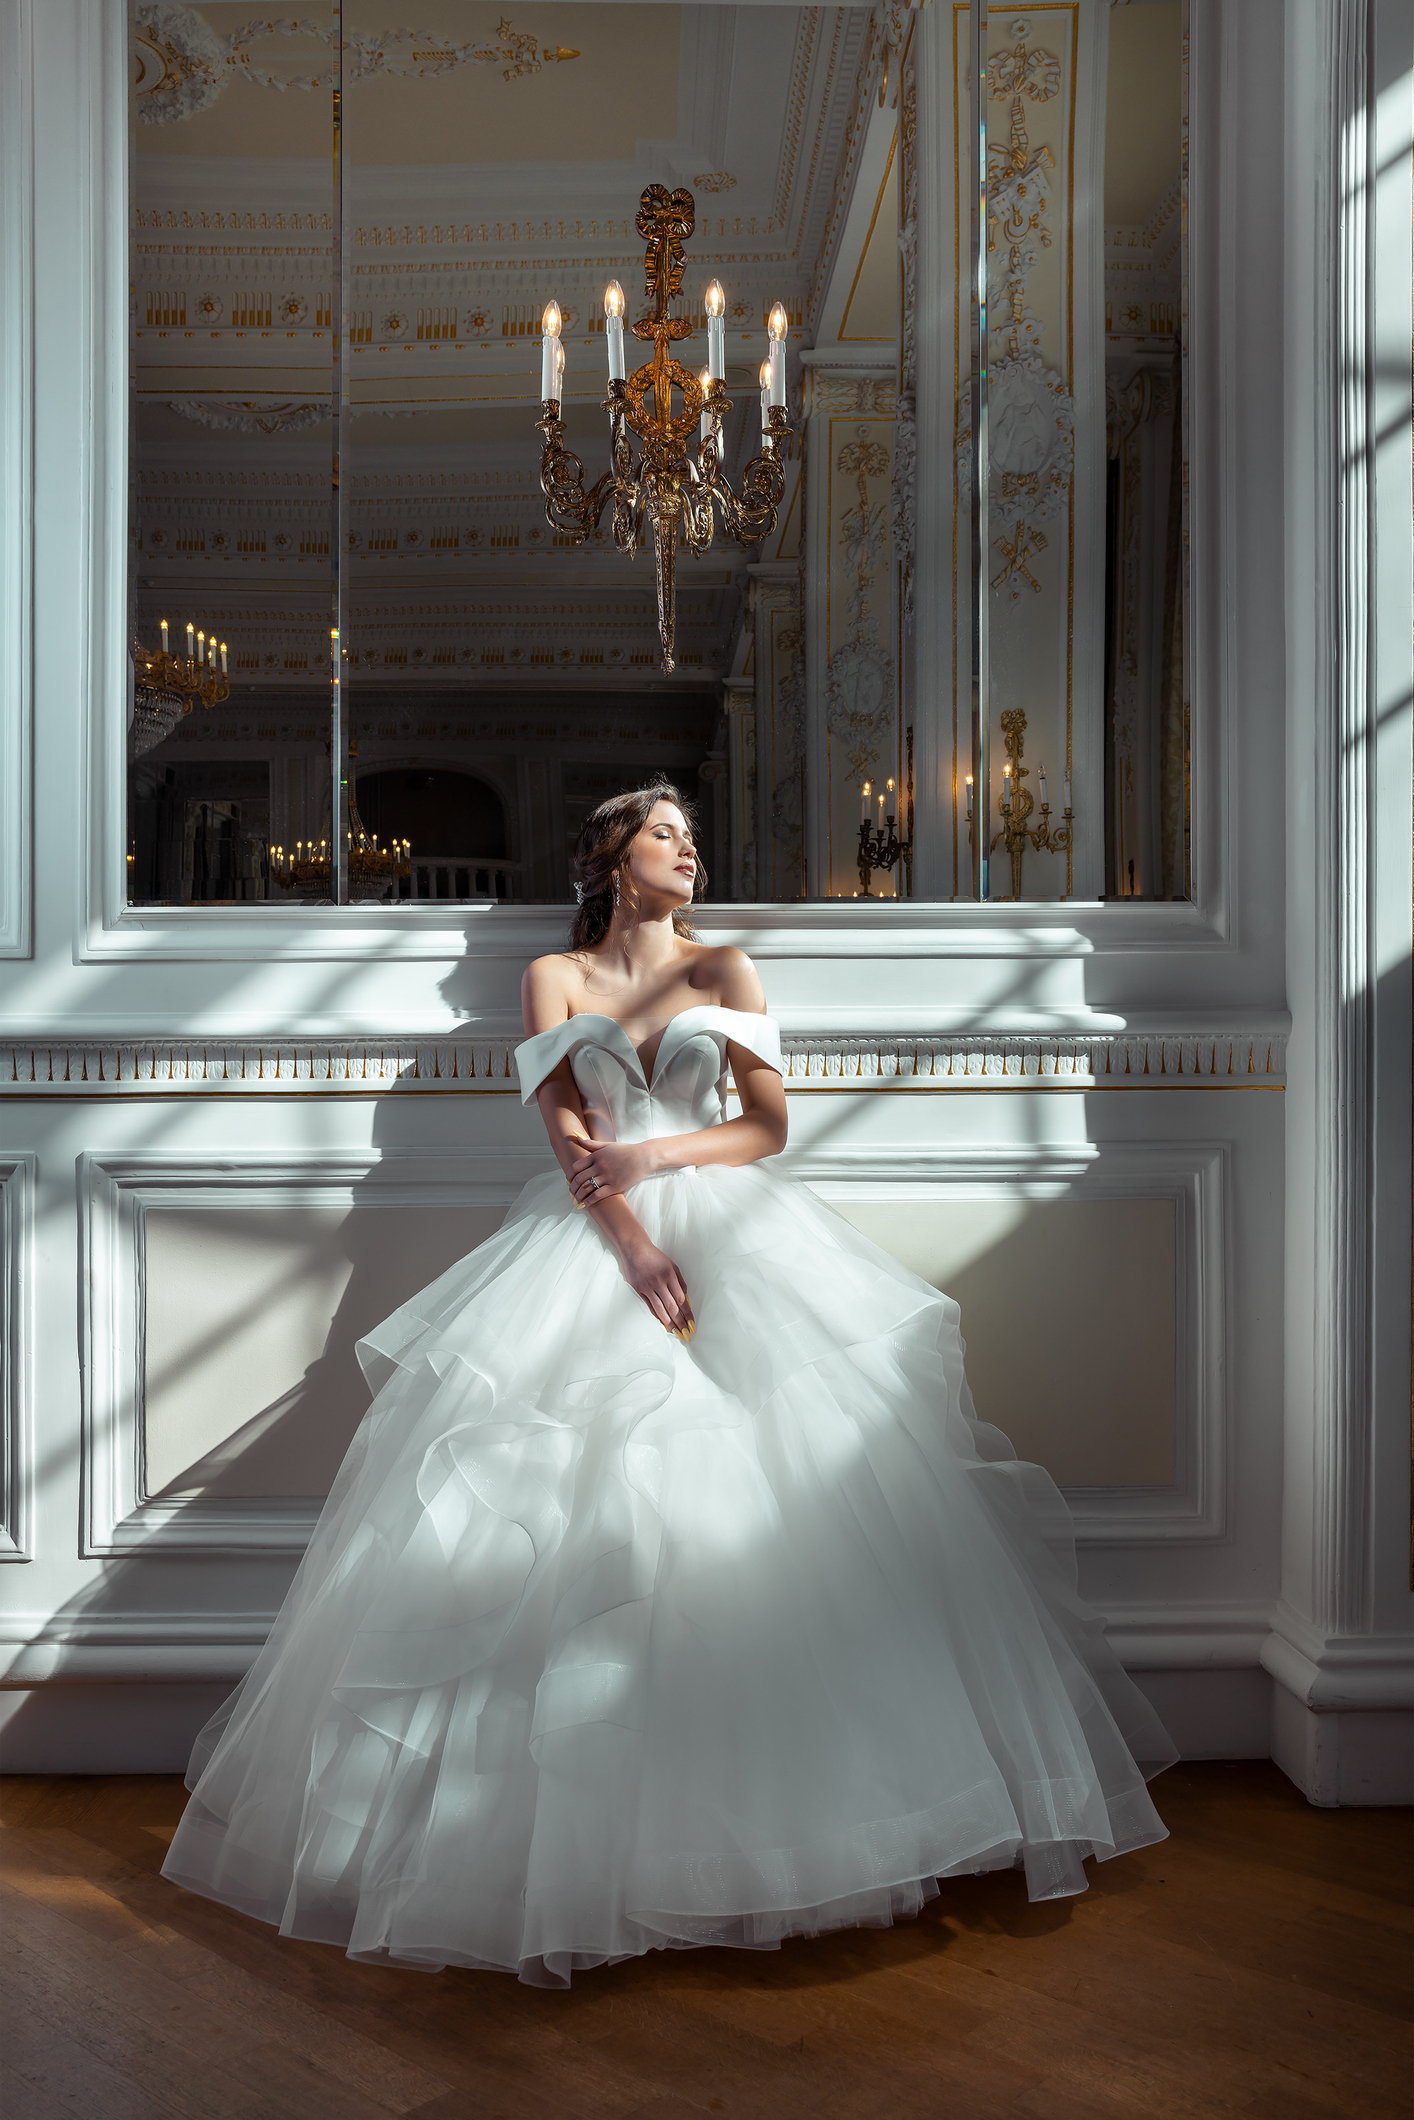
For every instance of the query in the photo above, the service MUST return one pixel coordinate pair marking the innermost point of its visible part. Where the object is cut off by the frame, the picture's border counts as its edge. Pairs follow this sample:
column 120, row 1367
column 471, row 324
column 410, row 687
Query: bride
column 670, row 1592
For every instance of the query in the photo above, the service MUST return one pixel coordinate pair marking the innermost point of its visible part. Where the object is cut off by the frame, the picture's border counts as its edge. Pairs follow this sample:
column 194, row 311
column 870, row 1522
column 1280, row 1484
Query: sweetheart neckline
column 698, row 1008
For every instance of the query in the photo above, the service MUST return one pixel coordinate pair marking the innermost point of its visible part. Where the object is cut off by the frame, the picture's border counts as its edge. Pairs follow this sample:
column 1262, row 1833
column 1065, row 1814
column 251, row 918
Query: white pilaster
column 1340, row 1647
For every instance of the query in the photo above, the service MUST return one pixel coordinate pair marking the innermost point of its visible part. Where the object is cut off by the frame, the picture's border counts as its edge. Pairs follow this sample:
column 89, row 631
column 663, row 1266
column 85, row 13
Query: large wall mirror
column 367, row 667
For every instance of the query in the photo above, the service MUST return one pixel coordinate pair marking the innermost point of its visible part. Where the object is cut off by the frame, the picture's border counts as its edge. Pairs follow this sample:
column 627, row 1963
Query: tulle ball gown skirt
column 604, row 1644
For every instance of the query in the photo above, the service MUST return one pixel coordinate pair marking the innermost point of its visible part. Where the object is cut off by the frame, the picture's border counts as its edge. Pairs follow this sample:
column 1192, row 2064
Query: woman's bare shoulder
column 547, row 989
column 731, row 977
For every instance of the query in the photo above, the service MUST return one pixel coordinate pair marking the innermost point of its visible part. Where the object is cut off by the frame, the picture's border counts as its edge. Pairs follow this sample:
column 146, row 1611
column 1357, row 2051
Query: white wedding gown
column 604, row 1643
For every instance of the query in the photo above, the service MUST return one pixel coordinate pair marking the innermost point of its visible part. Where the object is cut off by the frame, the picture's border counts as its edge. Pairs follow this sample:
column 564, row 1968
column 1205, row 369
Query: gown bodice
column 686, row 1087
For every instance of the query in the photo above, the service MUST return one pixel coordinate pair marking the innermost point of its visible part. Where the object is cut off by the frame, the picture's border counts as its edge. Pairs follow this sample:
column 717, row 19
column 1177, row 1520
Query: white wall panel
column 16, row 1356
column 216, row 1334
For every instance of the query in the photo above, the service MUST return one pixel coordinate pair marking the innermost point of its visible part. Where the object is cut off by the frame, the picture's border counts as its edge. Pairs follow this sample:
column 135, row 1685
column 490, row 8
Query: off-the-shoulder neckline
column 700, row 1008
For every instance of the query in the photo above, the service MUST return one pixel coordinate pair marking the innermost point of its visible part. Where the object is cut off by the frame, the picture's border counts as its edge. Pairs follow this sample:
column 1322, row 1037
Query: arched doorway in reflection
column 457, row 825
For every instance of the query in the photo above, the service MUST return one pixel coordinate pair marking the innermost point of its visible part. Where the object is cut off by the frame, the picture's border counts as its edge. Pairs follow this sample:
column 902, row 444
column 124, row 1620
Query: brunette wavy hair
column 601, row 855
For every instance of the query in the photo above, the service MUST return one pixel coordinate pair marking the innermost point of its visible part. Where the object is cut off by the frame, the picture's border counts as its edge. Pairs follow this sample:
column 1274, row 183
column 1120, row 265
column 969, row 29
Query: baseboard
column 1344, row 1756
column 1212, row 1714
column 132, row 1728
column 103, row 1729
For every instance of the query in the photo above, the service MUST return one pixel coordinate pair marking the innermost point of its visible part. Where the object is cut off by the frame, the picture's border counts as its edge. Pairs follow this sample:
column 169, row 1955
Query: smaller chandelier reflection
column 306, row 865
column 167, row 686
column 371, row 867
column 677, row 492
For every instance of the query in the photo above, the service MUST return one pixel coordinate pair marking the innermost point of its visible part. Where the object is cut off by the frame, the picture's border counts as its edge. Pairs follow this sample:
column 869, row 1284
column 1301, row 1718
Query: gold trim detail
column 480, row 1067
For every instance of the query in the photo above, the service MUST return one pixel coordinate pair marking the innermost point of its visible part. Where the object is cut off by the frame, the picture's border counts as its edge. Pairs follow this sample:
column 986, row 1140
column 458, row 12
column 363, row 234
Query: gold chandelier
column 307, row 865
column 167, row 686
column 677, row 492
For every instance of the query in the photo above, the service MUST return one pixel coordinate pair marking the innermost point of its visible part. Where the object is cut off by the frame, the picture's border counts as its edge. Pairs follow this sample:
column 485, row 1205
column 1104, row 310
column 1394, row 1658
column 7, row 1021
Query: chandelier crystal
column 167, row 686
column 677, row 493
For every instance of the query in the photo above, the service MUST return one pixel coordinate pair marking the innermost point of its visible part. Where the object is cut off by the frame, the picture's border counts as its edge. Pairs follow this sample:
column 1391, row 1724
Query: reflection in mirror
column 1081, row 784
column 486, row 650
column 499, row 673
column 231, row 214
column 1147, row 733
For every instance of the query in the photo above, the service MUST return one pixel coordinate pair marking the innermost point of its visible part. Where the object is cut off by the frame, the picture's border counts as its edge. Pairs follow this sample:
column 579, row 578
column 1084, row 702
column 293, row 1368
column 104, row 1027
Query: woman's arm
column 760, row 1131
column 648, row 1271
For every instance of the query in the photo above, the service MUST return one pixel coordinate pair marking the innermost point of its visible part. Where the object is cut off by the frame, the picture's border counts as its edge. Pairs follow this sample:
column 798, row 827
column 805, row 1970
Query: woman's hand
column 652, row 1275
column 603, row 1168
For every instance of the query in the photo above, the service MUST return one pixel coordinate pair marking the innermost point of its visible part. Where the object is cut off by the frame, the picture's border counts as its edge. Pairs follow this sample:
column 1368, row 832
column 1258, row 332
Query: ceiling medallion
column 677, row 492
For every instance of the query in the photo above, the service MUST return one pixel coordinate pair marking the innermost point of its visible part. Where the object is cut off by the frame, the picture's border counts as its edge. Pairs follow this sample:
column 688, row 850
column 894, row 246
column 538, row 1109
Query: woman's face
column 662, row 862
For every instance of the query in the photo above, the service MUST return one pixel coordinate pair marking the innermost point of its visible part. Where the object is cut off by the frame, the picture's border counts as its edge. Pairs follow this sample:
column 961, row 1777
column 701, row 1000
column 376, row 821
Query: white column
column 1340, row 1647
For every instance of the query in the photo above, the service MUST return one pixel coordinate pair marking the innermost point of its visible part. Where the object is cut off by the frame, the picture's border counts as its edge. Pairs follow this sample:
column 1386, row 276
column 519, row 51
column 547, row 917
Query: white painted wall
column 1261, row 1594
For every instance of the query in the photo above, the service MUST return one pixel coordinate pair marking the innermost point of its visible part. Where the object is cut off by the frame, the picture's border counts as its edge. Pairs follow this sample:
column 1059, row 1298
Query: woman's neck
column 639, row 950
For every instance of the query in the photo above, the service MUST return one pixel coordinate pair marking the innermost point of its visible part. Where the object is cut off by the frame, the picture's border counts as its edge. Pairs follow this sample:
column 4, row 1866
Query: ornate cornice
column 1172, row 1060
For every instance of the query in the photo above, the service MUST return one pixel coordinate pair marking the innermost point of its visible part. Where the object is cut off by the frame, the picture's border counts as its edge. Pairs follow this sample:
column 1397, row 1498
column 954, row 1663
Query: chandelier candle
column 550, row 353
column 164, row 636
column 716, row 307
column 614, row 330
column 777, row 331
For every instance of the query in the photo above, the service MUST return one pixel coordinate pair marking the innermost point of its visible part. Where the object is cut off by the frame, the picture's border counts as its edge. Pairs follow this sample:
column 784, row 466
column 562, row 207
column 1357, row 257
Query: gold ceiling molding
column 288, row 1067
column 183, row 65
column 716, row 180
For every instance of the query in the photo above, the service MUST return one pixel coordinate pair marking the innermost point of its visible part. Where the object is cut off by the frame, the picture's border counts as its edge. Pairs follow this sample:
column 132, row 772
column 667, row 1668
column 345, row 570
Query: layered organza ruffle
column 603, row 1643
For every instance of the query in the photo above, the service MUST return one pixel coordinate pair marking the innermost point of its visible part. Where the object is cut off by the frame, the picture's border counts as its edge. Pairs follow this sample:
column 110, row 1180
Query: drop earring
column 616, row 887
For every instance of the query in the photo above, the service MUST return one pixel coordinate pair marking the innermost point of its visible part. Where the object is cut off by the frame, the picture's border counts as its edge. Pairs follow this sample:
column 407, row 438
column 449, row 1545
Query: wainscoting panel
column 17, row 1174
column 224, row 1295
column 1068, row 1310
column 1093, row 1303
column 222, row 1301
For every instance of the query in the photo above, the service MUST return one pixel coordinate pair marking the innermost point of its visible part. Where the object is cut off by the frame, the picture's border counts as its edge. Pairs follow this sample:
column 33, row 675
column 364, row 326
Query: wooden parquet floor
column 1256, row 1963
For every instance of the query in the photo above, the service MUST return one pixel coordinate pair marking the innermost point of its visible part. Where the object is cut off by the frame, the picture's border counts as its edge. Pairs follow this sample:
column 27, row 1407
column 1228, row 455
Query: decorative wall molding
column 1167, row 1060
column 17, row 487
column 17, row 1182
column 1194, row 1175
column 117, row 1191
column 1180, row 1634
column 119, row 1516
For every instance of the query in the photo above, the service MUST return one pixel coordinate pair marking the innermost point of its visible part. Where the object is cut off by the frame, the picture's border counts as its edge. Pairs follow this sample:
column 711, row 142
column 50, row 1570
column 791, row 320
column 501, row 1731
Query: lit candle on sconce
column 881, row 816
column 614, row 330
column 550, row 353
column 716, row 307
column 1006, row 785
column 765, row 381
column 191, row 641
column 777, row 327
column 200, row 647
column 223, row 658
column 891, row 798
column 969, row 798
column 164, row 636
column 864, row 803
